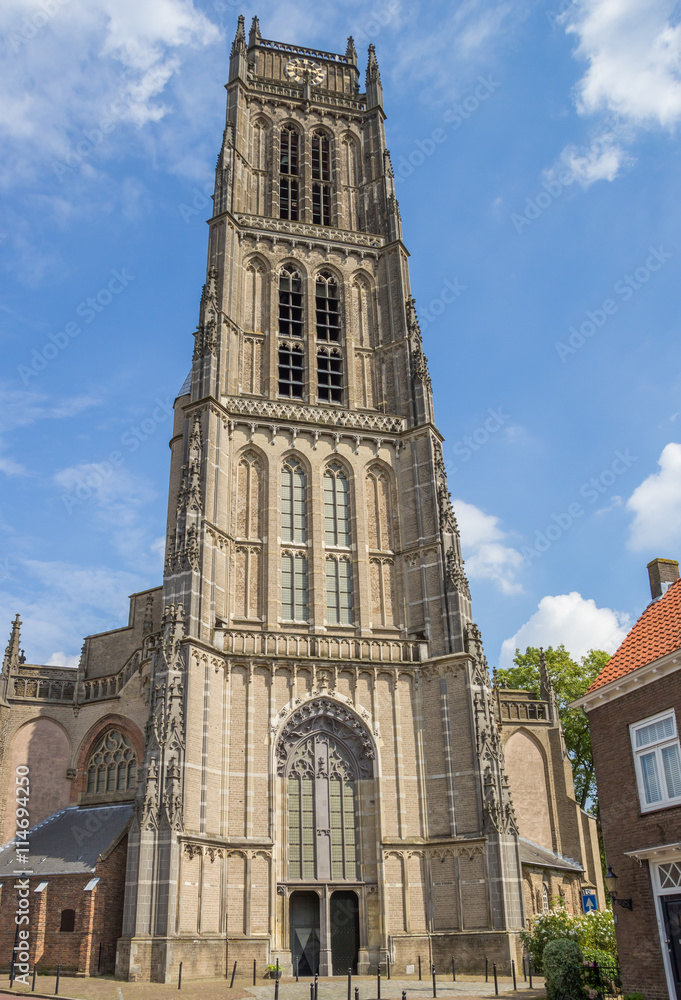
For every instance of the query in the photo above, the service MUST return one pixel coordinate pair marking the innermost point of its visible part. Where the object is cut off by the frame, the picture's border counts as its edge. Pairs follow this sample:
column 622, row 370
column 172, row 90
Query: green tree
column 570, row 680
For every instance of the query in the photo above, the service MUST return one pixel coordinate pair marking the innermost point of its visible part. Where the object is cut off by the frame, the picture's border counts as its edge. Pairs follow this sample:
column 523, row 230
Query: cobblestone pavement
column 106, row 988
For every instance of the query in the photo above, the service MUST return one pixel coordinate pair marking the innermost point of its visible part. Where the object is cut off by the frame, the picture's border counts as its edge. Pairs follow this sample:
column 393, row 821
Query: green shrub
column 593, row 931
column 563, row 961
column 592, row 955
column 633, row 996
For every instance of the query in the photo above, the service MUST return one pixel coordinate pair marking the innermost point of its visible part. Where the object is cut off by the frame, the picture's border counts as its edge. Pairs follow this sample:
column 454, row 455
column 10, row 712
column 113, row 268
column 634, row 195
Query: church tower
column 323, row 778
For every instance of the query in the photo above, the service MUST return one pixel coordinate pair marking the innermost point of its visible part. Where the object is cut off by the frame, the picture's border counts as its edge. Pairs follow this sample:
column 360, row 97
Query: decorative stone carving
column 322, row 715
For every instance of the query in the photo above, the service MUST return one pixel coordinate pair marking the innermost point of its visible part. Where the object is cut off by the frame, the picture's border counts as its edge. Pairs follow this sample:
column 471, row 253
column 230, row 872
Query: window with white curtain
column 657, row 756
column 336, row 507
column 293, row 502
column 339, row 591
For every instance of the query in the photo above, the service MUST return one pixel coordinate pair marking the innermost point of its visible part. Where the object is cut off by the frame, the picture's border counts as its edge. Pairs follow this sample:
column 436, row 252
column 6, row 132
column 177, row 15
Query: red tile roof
column 657, row 632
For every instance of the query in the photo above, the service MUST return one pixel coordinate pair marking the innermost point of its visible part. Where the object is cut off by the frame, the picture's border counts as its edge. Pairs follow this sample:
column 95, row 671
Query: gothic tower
column 323, row 779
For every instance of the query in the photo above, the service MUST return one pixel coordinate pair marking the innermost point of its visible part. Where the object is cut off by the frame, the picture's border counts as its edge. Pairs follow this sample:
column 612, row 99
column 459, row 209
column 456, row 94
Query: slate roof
column 656, row 633
column 69, row 842
column 186, row 386
column 533, row 854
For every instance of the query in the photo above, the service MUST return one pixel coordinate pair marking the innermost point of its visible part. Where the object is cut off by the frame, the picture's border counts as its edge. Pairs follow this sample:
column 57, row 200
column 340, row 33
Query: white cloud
column 633, row 52
column 633, row 56
column 656, row 505
column 569, row 620
column 486, row 555
column 62, row 660
column 59, row 603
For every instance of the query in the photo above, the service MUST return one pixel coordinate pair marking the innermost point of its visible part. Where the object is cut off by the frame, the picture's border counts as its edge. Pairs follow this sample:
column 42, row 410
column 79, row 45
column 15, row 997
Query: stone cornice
column 647, row 674
column 306, row 232
column 302, row 413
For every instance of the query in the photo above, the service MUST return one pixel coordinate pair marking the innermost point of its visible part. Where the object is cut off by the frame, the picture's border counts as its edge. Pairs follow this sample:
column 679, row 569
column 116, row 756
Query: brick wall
column 99, row 916
column 626, row 829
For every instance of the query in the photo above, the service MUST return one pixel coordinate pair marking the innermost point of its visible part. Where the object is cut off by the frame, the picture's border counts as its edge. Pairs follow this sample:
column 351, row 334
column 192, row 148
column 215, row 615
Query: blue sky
column 537, row 151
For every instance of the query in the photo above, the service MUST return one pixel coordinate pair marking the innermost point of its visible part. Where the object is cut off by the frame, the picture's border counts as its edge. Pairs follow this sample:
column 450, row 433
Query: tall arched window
column 293, row 511
column 293, row 531
column 322, row 810
column 113, row 765
column 327, row 307
column 288, row 173
column 290, row 303
column 329, row 375
column 291, row 356
column 336, row 507
column 321, row 178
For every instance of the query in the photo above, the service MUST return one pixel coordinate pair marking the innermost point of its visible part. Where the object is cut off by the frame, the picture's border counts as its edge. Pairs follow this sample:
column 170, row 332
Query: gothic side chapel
column 297, row 732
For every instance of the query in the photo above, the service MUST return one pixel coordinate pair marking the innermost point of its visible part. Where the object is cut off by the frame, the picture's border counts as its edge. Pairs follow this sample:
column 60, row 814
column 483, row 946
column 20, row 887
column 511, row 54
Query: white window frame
column 666, row 802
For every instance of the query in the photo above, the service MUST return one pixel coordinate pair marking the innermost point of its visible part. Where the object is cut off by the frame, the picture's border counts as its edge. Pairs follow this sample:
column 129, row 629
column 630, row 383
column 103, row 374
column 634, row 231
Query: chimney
column 662, row 573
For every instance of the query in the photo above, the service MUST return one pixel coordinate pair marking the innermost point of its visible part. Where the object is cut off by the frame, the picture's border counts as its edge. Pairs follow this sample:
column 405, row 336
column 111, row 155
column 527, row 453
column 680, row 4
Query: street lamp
column 611, row 881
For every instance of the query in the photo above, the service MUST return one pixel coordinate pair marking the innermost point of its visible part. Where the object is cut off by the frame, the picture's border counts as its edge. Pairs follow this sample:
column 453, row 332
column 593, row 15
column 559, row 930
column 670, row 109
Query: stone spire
column 374, row 88
column 13, row 652
column 351, row 51
column 254, row 35
column 13, row 657
column 239, row 43
column 238, row 60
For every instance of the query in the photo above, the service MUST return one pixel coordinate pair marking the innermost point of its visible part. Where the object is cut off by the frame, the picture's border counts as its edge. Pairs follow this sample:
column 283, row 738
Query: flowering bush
column 593, row 931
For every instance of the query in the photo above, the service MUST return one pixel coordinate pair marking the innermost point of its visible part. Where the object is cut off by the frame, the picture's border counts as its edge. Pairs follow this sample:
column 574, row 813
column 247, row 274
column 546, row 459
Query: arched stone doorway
column 325, row 757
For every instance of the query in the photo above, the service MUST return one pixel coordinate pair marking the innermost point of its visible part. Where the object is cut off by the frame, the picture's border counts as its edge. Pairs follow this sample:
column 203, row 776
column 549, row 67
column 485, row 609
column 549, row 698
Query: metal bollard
column 453, row 970
column 515, row 985
column 254, row 972
column 378, row 979
column 524, row 970
column 231, row 984
column 56, row 987
column 276, row 988
column 356, row 992
column 179, row 978
column 297, row 966
column 316, row 986
column 404, row 995
column 419, row 968
column 486, row 969
column 496, row 984
column 311, row 991
column 34, row 971
column 349, row 984
column 387, row 963
column 434, row 983
column 529, row 969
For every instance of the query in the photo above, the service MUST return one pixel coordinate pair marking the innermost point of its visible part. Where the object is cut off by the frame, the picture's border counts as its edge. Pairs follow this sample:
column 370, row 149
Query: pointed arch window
column 291, row 368
column 288, row 173
column 322, row 810
column 321, row 178
column 113, row 765
column 290, row 303
column 327, row 305
column 336, row 507
column 293, row 508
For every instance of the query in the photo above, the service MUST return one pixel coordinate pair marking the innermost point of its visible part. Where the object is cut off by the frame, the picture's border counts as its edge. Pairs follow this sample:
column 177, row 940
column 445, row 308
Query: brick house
column 634, row 712
column 75, row 893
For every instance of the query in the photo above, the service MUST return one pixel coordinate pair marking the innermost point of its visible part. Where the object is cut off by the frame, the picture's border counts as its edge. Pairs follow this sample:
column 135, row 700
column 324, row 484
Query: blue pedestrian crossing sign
column 589, row 901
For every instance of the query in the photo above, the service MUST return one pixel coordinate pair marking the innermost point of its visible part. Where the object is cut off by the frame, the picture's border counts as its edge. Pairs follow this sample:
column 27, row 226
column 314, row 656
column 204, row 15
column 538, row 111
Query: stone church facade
column 301, row 716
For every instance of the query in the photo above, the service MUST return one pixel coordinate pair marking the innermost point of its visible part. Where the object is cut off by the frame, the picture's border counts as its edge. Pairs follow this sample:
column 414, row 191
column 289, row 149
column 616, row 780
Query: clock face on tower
column 300, row 70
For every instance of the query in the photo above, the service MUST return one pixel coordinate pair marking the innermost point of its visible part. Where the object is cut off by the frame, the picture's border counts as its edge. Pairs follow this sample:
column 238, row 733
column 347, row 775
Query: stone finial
column 239, row 43
column 351, row 51
column 254, row 35
column 374, row 88
column 13, row 652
